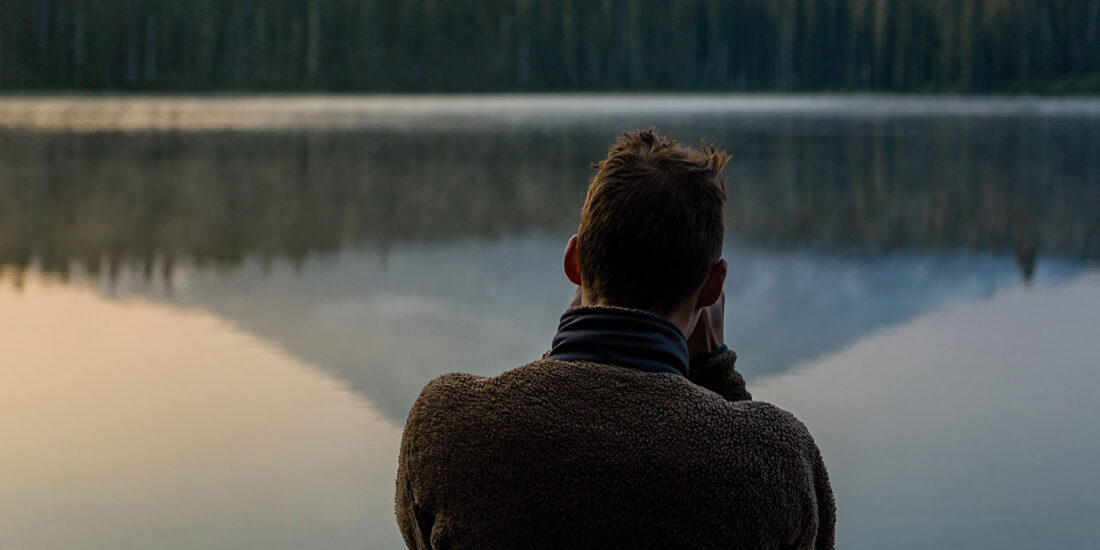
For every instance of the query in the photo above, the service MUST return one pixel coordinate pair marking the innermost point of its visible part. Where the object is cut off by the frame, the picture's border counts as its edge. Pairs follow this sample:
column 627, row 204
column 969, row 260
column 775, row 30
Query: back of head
column 652, row 222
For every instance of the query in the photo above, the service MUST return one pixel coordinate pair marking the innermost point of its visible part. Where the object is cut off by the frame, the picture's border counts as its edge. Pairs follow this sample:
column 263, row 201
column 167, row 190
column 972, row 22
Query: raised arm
column 715, row 371
column 712, row 363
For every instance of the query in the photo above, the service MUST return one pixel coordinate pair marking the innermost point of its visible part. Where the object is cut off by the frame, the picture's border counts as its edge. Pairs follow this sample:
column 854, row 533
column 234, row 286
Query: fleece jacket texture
column 580, row 454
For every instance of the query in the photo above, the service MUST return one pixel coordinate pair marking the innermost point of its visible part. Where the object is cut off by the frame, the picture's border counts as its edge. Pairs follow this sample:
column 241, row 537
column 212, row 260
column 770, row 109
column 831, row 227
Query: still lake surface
column 216, row 312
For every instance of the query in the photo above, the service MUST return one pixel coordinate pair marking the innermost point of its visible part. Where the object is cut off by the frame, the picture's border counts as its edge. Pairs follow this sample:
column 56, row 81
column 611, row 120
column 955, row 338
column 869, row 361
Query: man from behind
column 635, row 430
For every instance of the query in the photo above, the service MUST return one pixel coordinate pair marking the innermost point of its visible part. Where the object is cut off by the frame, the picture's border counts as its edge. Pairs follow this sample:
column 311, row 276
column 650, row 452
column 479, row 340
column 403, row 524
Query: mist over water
column 178, row 275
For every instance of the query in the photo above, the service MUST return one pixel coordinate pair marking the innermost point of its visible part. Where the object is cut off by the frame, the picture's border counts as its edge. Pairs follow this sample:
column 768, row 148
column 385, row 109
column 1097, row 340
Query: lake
column 215, row 312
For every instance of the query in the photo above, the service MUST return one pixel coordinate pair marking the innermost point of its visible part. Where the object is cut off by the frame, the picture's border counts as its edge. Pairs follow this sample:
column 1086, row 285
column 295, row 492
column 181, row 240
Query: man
column 626, row 434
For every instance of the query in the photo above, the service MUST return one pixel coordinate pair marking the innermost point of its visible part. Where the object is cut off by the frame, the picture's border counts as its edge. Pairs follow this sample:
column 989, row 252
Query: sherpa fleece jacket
column 577, row 455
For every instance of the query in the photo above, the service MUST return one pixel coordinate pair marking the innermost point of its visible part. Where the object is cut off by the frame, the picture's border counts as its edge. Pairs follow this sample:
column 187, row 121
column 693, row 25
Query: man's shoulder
column 594, row 385
column 535, row 388
column 446, row 393
column 452, row 385
column 445, row 385
column 442, row 395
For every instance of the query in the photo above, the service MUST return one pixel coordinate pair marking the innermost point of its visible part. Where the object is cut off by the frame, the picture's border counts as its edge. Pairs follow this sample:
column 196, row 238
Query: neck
column 684, row 319
column 682, row 315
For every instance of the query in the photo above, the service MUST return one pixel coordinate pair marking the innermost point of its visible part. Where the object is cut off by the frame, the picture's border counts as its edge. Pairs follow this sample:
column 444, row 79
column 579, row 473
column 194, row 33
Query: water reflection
column 1018, row 183
column 387, row 322
column 211, row 337
column 967, row 420
column 128, row 424
column 972, row 426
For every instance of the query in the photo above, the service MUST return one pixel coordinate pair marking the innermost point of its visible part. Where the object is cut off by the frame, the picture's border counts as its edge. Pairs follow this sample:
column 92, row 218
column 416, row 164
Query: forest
column 968, row 46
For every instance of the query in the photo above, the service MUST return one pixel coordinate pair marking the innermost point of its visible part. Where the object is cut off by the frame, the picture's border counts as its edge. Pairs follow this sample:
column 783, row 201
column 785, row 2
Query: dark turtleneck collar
column 624, row 337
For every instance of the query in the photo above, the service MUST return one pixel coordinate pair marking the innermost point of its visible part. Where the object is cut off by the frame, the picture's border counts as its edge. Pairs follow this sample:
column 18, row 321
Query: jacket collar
column 624, row 337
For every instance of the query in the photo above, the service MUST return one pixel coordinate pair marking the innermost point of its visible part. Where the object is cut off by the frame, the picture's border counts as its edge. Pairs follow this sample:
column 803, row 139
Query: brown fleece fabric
column 570, row 454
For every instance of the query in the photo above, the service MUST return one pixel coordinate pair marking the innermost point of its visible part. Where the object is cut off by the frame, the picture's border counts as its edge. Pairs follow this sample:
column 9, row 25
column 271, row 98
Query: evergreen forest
column 970, row 46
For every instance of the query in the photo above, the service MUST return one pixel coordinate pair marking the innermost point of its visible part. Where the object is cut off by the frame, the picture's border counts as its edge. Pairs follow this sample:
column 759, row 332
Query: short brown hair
column 652, row 222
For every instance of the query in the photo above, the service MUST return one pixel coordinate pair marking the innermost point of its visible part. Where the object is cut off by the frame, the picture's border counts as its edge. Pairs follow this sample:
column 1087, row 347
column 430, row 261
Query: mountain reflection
column 198, row 303
column 484, row 306
column 365, row 251
column 1026, row 185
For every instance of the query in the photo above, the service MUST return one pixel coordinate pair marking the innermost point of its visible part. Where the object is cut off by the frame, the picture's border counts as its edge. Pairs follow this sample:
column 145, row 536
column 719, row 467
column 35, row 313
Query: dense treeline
column 478, row 45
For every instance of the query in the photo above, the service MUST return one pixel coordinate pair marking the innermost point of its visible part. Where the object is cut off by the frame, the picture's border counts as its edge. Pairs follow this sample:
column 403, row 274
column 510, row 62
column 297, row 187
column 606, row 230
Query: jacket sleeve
column 716, row 372
column 794, row 467
column 410, row 518
column 826, row 506
column 415, row 520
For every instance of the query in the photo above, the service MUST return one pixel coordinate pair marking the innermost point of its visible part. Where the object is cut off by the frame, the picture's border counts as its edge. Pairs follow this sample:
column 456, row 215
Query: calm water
column 215, row 313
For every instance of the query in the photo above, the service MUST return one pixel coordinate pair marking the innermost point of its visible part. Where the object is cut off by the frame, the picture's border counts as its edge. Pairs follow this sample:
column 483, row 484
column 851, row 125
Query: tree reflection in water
column 840, row 225
column 384, row 257
column 1023, row 184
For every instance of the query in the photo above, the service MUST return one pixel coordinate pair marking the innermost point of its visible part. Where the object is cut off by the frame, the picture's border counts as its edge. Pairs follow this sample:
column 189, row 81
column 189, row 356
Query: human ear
column 712, row 287
column 570, row 262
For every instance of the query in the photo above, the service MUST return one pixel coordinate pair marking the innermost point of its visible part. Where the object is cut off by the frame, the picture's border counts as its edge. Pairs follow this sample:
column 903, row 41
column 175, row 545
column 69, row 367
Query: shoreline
column 80, row 112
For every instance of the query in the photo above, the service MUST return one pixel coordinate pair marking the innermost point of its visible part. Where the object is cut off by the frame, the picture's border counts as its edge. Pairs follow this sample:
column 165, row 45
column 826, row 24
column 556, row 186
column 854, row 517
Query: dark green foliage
column 482, row 45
